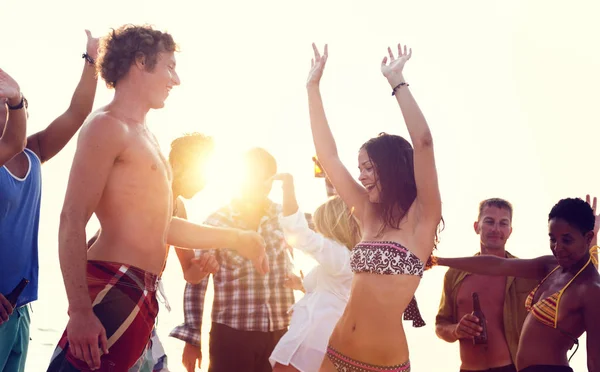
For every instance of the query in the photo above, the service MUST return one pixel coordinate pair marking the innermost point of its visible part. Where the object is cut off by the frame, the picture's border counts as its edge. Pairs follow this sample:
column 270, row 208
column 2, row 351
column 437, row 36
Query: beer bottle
column 482, row 338
column 14, row 295
column 318, row 171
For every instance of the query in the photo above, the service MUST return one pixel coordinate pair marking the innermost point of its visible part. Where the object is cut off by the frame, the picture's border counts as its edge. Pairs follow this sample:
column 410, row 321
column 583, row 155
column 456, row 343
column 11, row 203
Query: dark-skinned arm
column 48, row 142
column 535, row 268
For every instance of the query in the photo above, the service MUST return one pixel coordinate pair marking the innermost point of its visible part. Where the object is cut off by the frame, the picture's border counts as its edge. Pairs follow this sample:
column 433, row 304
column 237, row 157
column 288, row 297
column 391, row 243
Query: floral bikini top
column 386, row 258
column 389, row 258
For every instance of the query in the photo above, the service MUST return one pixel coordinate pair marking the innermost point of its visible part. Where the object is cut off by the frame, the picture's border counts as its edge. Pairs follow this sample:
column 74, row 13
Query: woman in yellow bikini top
column 565, row 303
column 546, row 310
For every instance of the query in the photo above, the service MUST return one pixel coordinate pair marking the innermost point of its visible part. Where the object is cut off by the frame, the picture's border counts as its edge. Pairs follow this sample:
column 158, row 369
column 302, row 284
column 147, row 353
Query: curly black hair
column 121, row 47
column 576, row 212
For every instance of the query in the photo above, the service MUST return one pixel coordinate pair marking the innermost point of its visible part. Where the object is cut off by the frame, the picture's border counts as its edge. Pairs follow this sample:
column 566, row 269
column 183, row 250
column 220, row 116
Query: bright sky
column 509, row 89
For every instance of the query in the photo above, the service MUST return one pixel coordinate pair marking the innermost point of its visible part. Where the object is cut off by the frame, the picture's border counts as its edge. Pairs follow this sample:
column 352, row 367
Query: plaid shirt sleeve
column 193, row 308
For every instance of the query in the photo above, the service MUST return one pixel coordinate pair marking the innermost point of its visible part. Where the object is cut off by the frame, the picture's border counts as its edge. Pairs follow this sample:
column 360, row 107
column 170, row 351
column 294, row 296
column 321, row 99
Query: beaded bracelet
column 88, row 58
column 18, row 106
column 398, row 87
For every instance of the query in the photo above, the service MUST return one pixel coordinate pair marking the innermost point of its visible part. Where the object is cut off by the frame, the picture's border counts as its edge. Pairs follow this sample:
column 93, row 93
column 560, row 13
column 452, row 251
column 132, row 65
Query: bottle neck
column 12, row 296
column 476, row 305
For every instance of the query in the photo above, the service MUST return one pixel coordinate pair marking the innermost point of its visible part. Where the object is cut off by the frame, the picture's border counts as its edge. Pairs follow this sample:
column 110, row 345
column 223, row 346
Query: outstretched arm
column 194, row 269
column 535, row 268
column 249, row 244
column 354, row 195
column 290, row 204
column 428, row 192
column 12, row 139
column 330, row 254
column 51, row 140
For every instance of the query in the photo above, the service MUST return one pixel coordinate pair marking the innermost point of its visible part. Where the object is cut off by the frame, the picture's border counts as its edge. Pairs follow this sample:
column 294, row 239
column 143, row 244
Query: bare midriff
column 536, row 336
column 370, row 330
column 557, row 343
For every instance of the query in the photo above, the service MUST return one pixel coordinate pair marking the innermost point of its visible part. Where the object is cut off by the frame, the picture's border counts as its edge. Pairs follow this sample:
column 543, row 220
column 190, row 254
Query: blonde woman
column 327, row 286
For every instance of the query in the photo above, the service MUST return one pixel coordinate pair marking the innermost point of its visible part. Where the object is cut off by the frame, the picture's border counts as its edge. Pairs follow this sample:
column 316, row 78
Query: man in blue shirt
column 20, row 194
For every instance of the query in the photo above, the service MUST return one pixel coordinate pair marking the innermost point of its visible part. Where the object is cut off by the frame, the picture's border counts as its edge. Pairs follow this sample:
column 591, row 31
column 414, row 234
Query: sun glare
column 224, row 173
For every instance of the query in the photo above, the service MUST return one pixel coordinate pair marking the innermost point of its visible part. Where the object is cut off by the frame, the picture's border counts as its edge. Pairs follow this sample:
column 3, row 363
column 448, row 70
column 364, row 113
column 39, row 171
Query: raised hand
column 9, row 89
column 285, row 178
column 317, row 65
column 393, row 70
column 593, row 204
column 594, row 242
column 92, row 45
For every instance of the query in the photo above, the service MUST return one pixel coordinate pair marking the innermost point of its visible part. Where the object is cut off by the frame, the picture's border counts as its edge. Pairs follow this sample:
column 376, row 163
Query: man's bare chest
column 490, row 289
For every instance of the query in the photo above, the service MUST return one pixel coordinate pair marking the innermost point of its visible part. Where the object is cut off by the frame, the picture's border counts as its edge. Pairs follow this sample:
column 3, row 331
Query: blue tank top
column 19, row 222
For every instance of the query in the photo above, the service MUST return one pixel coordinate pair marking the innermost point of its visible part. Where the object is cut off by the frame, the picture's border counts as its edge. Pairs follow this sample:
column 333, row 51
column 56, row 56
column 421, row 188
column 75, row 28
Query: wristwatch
column 18, row 106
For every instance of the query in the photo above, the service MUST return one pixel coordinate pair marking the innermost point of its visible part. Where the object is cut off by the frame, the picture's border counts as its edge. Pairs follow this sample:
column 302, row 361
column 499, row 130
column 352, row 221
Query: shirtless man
column 120, row 174
column 502, row 299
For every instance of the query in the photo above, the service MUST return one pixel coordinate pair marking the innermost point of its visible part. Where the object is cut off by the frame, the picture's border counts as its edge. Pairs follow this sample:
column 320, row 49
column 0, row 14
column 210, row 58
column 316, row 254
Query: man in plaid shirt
column 250, row 310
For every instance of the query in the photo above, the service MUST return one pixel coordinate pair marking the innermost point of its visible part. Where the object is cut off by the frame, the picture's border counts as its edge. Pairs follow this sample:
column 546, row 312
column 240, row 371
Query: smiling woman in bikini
column 566, row 301
column 398, row 206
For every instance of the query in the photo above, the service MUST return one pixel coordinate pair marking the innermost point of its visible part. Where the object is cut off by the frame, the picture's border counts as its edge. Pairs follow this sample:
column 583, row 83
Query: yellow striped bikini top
column 546, row 310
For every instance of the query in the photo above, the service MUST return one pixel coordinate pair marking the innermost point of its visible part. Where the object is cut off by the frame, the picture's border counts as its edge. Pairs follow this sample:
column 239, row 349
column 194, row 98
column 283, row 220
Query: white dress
column 327, row 292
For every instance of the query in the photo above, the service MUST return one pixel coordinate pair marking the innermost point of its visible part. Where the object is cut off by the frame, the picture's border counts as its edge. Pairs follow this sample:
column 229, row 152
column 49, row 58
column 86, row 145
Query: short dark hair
column 121, row 47
column 260, row 159
column 575, row 212
column 495, row 202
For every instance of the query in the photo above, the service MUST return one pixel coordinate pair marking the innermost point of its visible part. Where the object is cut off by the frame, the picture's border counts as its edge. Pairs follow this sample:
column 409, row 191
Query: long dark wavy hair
column 392, row 158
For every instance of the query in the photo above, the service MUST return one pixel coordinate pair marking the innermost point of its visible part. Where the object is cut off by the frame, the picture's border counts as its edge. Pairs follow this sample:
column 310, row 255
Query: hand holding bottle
column 6, row 309
column 467, row 327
